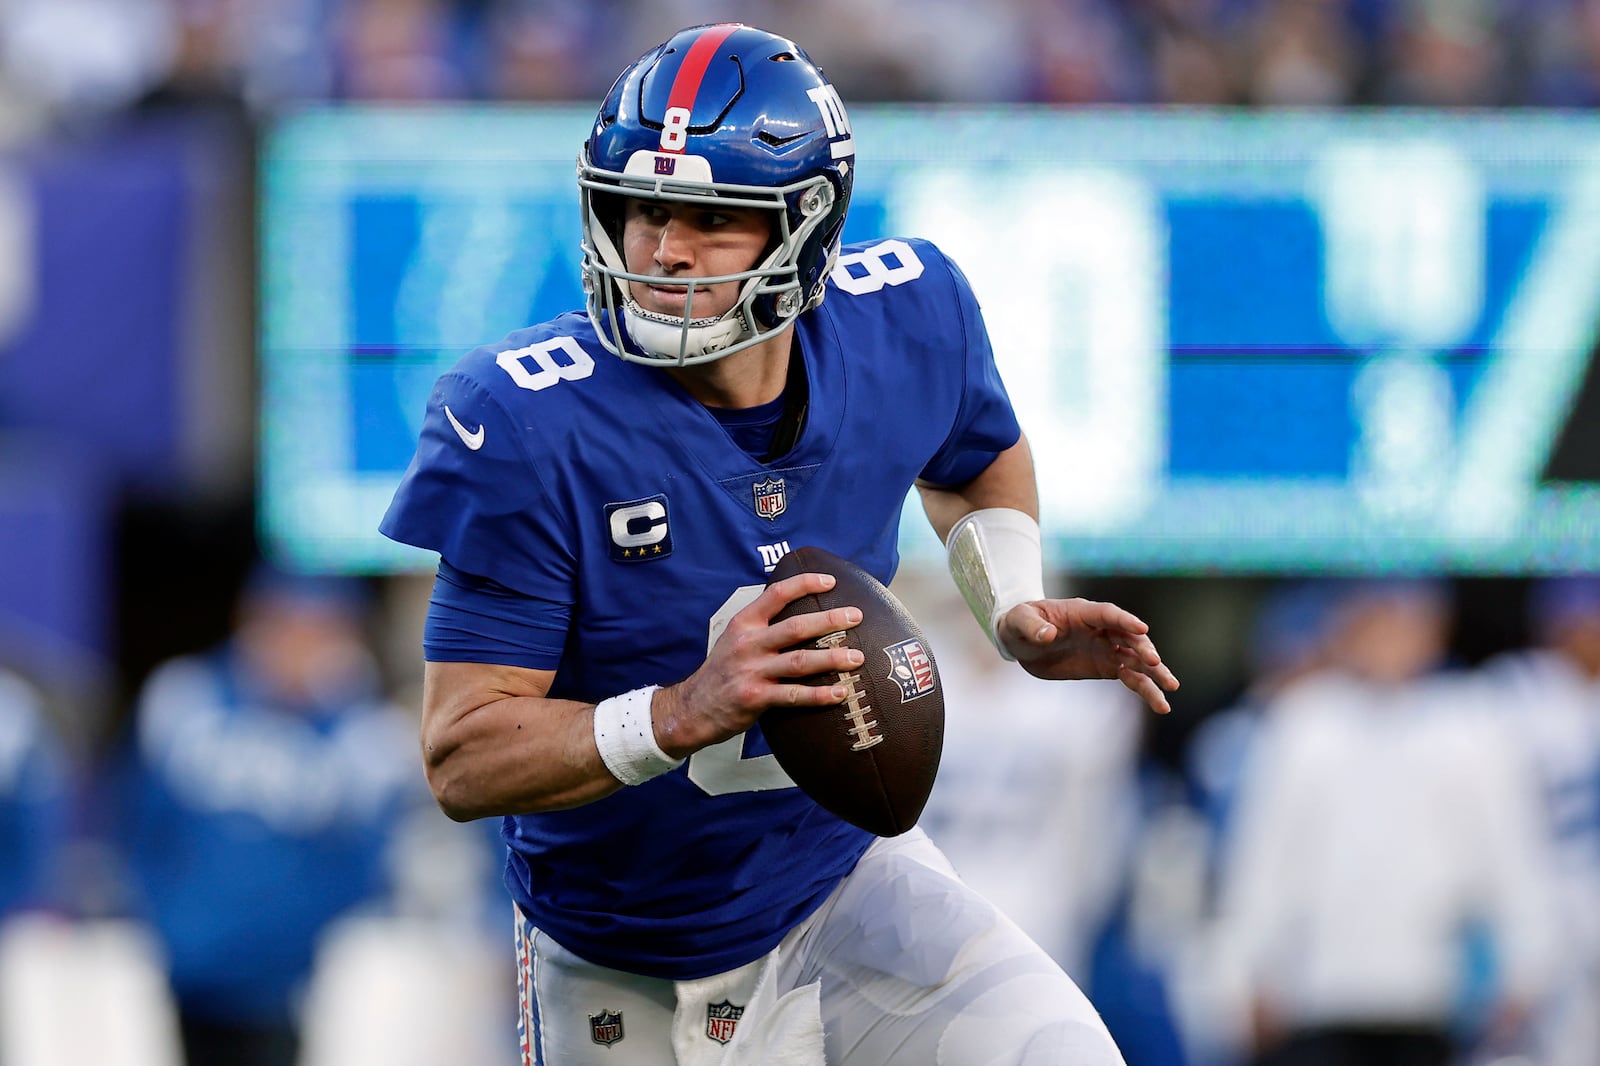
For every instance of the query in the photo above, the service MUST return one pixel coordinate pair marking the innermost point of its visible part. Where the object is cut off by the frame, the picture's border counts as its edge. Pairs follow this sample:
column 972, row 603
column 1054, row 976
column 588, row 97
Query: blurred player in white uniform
column 1549, row 696
column 1383, row 818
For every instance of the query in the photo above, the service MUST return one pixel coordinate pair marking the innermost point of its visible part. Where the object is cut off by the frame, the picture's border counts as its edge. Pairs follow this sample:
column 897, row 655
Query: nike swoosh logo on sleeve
column 473, row 440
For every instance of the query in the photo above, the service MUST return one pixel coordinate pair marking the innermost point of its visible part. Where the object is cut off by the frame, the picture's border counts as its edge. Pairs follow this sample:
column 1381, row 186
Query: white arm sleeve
column 997, row 562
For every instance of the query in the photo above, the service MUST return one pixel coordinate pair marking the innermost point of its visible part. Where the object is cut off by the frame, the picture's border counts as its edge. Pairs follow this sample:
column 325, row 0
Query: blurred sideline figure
column 1288, row 639
column 34, row 801
column 1035, row 800
column 1384, row 827
column 1549, row 695
column 75, row 986
column 268, row 774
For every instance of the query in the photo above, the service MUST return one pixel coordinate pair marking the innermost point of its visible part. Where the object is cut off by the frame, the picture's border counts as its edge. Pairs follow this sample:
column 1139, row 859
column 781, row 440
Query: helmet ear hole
column 608, row 207
column 817, row 200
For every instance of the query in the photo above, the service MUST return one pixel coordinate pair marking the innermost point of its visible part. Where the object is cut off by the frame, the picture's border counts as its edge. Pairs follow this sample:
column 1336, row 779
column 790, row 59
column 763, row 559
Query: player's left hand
column 1064, row 640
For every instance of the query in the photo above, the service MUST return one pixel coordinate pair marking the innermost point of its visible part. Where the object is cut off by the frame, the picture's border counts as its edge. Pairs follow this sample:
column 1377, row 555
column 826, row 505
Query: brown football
column 872, row 759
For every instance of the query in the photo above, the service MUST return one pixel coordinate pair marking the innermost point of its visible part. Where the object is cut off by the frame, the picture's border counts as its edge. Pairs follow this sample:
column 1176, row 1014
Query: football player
column 607, row 492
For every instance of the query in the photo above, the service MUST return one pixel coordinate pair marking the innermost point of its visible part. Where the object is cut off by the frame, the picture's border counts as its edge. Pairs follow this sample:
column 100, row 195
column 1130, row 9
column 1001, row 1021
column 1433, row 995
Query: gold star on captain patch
column 626, row 553
column 656, row 549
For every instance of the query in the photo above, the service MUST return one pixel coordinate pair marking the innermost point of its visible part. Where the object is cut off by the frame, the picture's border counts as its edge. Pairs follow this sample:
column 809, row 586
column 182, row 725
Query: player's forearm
column 1006, row 482
column 515, row 755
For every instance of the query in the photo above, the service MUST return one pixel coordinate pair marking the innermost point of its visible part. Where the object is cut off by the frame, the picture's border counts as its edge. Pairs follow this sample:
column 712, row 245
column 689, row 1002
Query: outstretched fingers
column 1076, row 638
column 1141, row 670
column 1146, row 688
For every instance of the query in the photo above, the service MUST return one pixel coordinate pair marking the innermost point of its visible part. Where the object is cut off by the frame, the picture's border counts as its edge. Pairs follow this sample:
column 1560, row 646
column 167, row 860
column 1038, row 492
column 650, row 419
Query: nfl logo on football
column 606, row 1027
column 911, row 668
column 721, row 1020
column 770, row 499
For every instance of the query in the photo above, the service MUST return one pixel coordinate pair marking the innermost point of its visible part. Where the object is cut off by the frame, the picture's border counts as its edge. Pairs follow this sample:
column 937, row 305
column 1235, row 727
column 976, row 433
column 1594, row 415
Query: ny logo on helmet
column 826, row 97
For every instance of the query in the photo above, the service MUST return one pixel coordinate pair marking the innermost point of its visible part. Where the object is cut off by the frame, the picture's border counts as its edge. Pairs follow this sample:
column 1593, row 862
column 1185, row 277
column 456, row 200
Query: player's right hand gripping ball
column 872, row 759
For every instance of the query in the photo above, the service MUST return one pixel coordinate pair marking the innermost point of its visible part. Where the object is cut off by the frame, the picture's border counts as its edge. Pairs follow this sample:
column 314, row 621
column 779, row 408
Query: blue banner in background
column 95, row 291
column 1240, row 342
column 56, row 552
column 93, row 260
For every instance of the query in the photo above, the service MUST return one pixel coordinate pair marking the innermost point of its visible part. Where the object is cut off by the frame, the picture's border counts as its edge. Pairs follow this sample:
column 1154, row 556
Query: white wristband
column 997, row 562
column 627, row 739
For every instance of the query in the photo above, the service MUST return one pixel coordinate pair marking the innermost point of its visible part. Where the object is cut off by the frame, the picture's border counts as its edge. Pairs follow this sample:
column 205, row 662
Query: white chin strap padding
column 666, row 337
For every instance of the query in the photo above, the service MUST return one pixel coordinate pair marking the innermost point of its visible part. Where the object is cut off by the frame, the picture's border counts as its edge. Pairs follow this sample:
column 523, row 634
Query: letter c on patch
column 638, row 529
column 624, row 519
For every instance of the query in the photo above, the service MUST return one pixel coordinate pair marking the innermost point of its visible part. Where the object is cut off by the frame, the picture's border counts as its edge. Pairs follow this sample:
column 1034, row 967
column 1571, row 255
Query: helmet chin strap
column 672, row 340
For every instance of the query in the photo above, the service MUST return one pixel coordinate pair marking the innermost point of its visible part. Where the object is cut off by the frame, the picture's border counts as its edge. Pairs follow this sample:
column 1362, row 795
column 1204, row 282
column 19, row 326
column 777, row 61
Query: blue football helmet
column 728, row 116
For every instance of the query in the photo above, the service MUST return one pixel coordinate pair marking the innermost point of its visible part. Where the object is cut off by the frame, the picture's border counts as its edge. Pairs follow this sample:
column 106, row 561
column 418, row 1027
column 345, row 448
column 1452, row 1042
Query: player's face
column 669, row 240
column 1391, row 639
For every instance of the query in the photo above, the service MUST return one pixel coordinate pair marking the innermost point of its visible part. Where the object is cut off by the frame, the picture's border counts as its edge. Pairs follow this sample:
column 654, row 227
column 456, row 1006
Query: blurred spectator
column 1383, row 823
column 865, row 48
column 205, row 68
column 401, row 50
column 1549, row 695
column 1563, row 52
column 1190, row 47
column 269, row 774
column 1445, row 53
column 961, row 58
column 1301, row 53
column 1081, row 52
column 540, row 49
column 35, row 794
column 71, row 58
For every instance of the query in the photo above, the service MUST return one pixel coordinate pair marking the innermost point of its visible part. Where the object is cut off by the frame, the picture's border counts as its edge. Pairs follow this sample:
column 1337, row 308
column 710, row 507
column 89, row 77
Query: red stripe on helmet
column 686, row 86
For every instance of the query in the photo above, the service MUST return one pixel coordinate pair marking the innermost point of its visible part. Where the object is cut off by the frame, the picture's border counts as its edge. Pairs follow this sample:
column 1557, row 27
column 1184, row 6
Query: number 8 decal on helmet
column 718, row 116
column 674, row 130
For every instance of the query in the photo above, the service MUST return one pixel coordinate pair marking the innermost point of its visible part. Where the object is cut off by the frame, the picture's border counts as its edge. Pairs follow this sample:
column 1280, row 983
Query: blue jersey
column 620, row 525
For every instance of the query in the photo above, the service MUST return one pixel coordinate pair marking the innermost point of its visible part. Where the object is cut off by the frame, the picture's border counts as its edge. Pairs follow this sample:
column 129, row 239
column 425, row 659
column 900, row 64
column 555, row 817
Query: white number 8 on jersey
column 875, row 261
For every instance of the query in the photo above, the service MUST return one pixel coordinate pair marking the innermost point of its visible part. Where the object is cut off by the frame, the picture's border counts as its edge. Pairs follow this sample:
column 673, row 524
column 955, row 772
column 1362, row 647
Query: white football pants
column 902, row 964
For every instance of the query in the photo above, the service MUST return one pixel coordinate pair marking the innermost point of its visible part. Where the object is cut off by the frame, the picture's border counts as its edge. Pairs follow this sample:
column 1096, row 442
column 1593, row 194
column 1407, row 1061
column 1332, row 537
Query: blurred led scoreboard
column 1241, row 342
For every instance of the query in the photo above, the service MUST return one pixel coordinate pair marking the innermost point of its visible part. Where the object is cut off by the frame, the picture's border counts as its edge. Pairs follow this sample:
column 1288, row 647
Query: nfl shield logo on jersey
column 911, row 668
column 606, row 1027
column 721, row 1020
column 770, row 499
